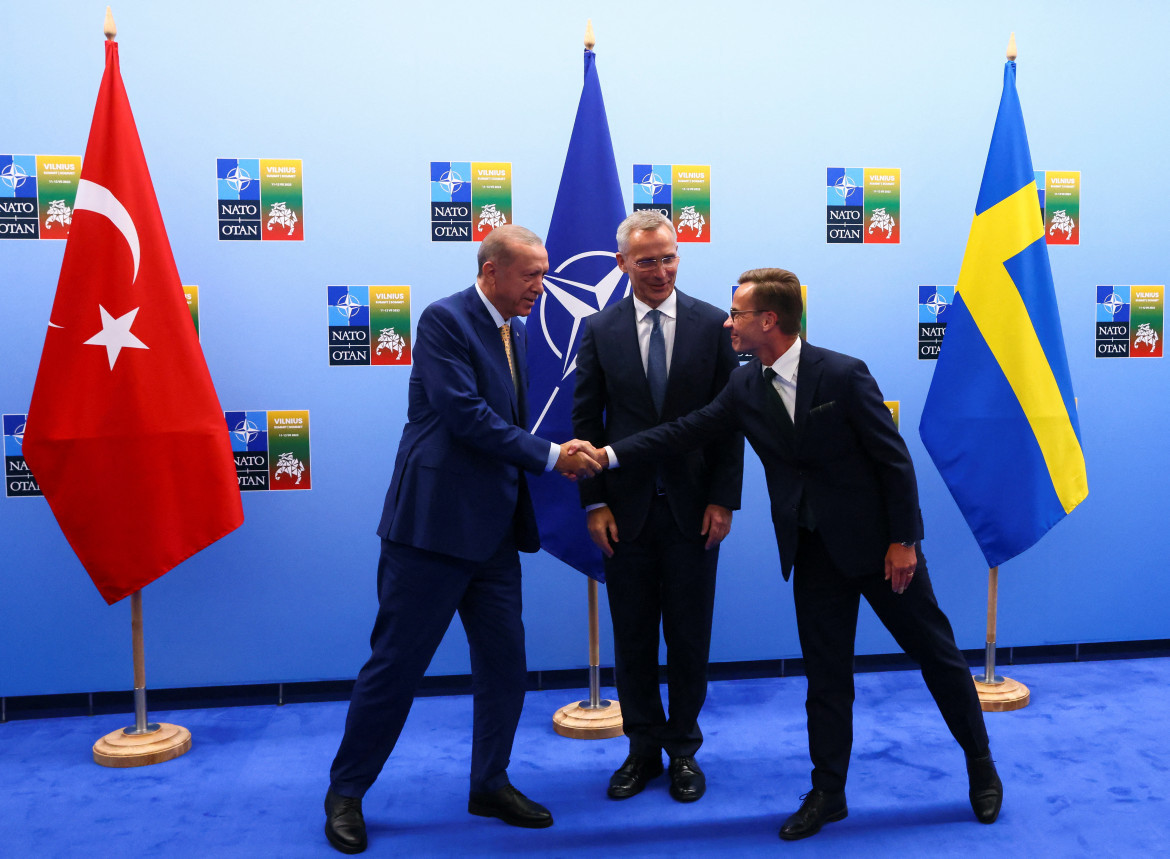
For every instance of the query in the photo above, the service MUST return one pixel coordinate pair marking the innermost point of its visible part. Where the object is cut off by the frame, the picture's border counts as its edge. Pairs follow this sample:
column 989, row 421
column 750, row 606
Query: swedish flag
column 1000, row 419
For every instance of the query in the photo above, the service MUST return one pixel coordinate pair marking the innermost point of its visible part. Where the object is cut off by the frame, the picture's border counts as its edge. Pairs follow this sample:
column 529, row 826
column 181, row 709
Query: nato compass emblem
column 18, row 480
column 933, row 302
column 576, row 289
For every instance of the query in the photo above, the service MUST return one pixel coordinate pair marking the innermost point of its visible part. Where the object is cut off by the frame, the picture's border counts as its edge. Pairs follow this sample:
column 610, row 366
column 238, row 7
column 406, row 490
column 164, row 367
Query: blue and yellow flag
column 1000, row 420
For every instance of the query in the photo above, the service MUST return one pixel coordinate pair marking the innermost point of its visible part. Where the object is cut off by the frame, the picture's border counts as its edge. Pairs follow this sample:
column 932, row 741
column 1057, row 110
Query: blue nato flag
column 583, row 278
column 1000, row 418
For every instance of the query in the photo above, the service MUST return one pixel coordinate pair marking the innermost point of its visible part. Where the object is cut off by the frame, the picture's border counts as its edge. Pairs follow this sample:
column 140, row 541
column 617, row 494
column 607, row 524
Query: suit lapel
column 765, row 404
column 808, row 378
column 520, row 354
column 629, row 354
column 489, row 337
column 684, row 334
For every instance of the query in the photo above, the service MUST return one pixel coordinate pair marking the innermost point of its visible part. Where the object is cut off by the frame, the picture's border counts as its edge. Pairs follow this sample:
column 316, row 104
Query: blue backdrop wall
column 768, row 94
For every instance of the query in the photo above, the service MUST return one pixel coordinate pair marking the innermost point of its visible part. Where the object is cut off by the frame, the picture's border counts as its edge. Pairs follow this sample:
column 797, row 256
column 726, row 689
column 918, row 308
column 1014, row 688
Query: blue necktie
column 656, row 361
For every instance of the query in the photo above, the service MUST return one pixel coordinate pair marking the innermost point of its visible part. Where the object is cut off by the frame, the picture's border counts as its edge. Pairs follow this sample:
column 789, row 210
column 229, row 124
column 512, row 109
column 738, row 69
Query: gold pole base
column 579, row 721
column 119, row 749
column 1001, row 697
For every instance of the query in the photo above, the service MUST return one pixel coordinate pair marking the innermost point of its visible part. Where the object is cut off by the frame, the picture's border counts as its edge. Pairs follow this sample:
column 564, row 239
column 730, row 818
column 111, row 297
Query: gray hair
column 644, row 219
column 497, row 245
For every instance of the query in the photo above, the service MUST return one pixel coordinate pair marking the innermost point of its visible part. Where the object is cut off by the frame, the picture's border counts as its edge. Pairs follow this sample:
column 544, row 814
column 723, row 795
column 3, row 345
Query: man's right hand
column 597, row 453
column 578, row 459
column 602, row 529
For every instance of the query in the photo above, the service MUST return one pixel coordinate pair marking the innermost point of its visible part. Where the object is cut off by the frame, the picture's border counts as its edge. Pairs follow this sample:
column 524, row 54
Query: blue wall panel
column 769, row 94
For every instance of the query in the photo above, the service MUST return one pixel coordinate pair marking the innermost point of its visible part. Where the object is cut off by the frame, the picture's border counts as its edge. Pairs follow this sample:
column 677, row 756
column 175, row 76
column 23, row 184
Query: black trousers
column 419, row 593
column 663, row 577
column 827, row 602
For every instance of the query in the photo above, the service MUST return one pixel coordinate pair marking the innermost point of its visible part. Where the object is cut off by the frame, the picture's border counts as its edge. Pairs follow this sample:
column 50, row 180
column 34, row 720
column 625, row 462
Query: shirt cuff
column 554, row 453
column 613, row 463
column 589, row 508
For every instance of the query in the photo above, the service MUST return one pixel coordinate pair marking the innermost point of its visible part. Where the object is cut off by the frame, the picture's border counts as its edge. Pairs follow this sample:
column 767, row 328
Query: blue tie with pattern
column 656, row 361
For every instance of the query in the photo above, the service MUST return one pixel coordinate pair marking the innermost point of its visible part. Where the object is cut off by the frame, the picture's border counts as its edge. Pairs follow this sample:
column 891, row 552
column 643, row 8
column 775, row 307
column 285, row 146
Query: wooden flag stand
column 147, row 742
column 997, row 694
column 594, row 719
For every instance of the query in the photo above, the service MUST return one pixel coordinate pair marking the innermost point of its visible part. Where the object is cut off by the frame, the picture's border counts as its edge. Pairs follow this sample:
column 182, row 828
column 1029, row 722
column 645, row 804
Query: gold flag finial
column 1011, row 51
column 590, row 41
column 110, row 29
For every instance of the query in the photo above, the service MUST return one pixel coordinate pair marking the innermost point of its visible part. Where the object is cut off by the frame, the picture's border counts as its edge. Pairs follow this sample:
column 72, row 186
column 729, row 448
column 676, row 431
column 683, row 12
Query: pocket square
column 823, row 407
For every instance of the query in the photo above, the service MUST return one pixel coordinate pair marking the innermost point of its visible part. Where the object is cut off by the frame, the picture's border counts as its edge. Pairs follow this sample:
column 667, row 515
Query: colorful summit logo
column 260, row 199
column 191, row 293
column 681, row 192
column 1130, row 321
column 933, row 303
column 469, row 199
column 863, row 206
column 37, row 195
column 1060, row 205
column 271, row 449
column 369, row 325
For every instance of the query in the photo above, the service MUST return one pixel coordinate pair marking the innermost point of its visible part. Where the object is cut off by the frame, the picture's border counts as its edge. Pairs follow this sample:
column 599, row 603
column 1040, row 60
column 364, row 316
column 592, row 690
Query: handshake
column 580, row 459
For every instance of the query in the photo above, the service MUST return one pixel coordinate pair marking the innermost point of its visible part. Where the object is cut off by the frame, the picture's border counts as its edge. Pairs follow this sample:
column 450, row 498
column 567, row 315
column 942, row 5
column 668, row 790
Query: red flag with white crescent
column 125, row 433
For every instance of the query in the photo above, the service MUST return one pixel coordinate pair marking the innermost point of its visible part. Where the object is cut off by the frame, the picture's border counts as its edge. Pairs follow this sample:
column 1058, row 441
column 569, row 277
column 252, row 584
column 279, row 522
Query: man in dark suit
column 845, row 510
column 455, row 515
column 654, row 356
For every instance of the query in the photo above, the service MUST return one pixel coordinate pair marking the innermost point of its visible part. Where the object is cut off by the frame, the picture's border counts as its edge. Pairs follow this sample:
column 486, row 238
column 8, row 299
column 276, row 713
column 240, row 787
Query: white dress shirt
column 784, row 382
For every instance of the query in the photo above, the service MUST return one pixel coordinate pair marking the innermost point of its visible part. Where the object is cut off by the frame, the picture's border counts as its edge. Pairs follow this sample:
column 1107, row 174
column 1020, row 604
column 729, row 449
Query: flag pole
column 998, row 694
column 595, row 719
column 147, row 742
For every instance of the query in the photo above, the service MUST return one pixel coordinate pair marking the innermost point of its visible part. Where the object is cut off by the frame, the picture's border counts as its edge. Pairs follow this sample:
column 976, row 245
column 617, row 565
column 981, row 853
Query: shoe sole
column 344, row 848
column 489, row 811
column 833, row 818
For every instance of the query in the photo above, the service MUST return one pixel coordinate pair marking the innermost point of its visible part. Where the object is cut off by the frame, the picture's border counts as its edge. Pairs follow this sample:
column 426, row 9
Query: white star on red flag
column 136, row 464
column 115, row 334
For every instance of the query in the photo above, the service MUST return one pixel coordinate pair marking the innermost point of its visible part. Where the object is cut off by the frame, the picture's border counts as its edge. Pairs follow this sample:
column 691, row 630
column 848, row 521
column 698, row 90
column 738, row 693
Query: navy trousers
column 419, row 593
column 827, row 602
column 663, row 577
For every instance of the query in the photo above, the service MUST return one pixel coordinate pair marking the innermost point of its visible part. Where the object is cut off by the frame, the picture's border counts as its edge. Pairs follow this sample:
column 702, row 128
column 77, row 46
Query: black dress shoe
column 819, row 807
column 344, row 825
column 687, row 782
column 511, row 806
column 986, row 790
column 633, row 775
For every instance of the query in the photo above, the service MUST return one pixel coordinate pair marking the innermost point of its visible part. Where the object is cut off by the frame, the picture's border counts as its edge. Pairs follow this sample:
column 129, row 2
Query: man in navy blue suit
column 456, row 514
column 652, row 357
column 844, row 503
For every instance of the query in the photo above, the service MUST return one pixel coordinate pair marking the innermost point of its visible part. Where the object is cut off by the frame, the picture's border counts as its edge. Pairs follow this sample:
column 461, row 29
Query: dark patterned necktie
column 656, row 361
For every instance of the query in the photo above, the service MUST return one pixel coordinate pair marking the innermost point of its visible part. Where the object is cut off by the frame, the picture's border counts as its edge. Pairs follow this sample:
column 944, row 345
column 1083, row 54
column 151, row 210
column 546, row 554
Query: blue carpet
column 1086, row 770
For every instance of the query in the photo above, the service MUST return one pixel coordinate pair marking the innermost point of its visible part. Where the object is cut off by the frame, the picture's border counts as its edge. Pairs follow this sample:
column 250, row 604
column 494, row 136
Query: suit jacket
column 845, row 457
column 458, row 482
column 611, row 401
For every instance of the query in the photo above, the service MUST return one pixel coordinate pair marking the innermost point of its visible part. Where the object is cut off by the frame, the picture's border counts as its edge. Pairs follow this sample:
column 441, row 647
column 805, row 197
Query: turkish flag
column 125, row 434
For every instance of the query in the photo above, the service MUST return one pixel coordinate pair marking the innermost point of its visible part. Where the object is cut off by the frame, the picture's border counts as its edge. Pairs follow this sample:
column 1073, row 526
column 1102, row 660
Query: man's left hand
column 901, row 562
column 716, row 524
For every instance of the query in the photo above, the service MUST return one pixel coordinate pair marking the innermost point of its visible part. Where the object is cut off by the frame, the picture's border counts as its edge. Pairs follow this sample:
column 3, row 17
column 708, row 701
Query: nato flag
column 583, row 278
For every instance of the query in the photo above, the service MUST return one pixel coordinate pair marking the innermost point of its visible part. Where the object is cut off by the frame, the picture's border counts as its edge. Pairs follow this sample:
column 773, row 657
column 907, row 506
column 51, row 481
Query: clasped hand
column 580, row 459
